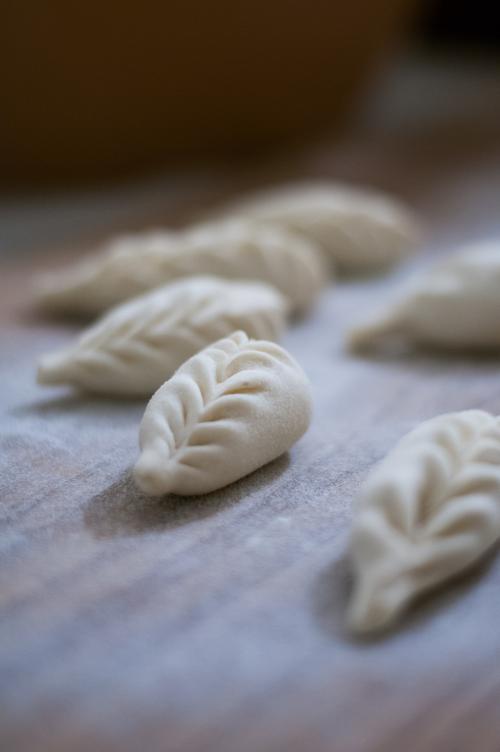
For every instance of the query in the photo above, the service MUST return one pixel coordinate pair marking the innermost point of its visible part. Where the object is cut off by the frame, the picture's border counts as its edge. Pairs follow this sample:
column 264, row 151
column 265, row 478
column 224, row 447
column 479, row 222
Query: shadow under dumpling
column 334, row 585
column 123, row 510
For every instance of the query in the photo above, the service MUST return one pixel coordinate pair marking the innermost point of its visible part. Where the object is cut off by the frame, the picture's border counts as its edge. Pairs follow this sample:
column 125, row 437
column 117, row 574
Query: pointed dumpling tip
column 50, row 293
column 53, row 369
column 239, row 337
column 150, row 475
column 376, row 604
column 370, row 334
column 368, row 615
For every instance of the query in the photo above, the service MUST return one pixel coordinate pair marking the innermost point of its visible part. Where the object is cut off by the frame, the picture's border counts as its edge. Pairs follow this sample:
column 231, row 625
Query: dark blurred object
column 460, row 21
column 95, row 87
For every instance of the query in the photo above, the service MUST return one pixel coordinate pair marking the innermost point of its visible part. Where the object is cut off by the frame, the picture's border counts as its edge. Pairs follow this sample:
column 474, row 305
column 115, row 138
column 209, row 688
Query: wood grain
column 216, row 623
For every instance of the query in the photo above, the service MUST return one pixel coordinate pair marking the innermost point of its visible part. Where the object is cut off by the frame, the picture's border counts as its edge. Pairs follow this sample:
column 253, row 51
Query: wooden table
column 216, row 623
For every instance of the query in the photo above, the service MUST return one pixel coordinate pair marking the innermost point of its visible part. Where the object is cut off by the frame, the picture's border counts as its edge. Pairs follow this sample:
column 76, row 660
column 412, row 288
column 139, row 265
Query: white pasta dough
column 230, row 409
column 357, row 229
column 235, row 250
column 455, row 305
column 136, row 346
column 430, row 510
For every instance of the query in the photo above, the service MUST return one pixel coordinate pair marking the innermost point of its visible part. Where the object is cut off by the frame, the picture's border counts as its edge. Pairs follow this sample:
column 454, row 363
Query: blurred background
column 117, row 115
column 95, row 89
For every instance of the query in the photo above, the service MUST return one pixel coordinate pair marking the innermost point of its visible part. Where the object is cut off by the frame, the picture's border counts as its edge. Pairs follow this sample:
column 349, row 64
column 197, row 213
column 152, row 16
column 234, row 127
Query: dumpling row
column 236, row 400
column 234, row 250
column 282, row 237
column 139, row 344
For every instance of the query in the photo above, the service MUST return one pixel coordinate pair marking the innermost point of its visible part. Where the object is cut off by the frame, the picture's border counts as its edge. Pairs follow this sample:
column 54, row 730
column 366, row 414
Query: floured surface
column 217, row 622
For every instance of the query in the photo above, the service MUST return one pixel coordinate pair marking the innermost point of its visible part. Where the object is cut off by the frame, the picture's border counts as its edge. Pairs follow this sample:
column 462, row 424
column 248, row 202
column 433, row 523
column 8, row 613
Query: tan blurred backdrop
column 95, row 88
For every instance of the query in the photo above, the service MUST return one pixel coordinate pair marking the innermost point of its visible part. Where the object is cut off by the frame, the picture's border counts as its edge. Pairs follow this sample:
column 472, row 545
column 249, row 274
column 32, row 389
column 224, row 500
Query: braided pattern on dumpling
column 429, row 511
column 356, row 229
column 455, row 304
column 227, row 411
column 136, row 346
column 233, row 250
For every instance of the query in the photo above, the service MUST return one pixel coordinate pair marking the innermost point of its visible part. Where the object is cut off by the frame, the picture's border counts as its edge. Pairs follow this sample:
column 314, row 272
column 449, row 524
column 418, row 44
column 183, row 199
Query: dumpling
column 456, row 304
column 230, row 409
column 136, row 346
column 428, row 512
column 234, row 250
column 124, row 267
column 357, row 229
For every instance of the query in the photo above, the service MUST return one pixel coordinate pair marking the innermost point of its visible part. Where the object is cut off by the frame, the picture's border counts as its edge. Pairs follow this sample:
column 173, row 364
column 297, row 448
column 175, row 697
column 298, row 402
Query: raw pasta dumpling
column 456, row 304
column 230, row 409
column 139, row 344
column 429, row 511
column 234, row 250
column 356, row 229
